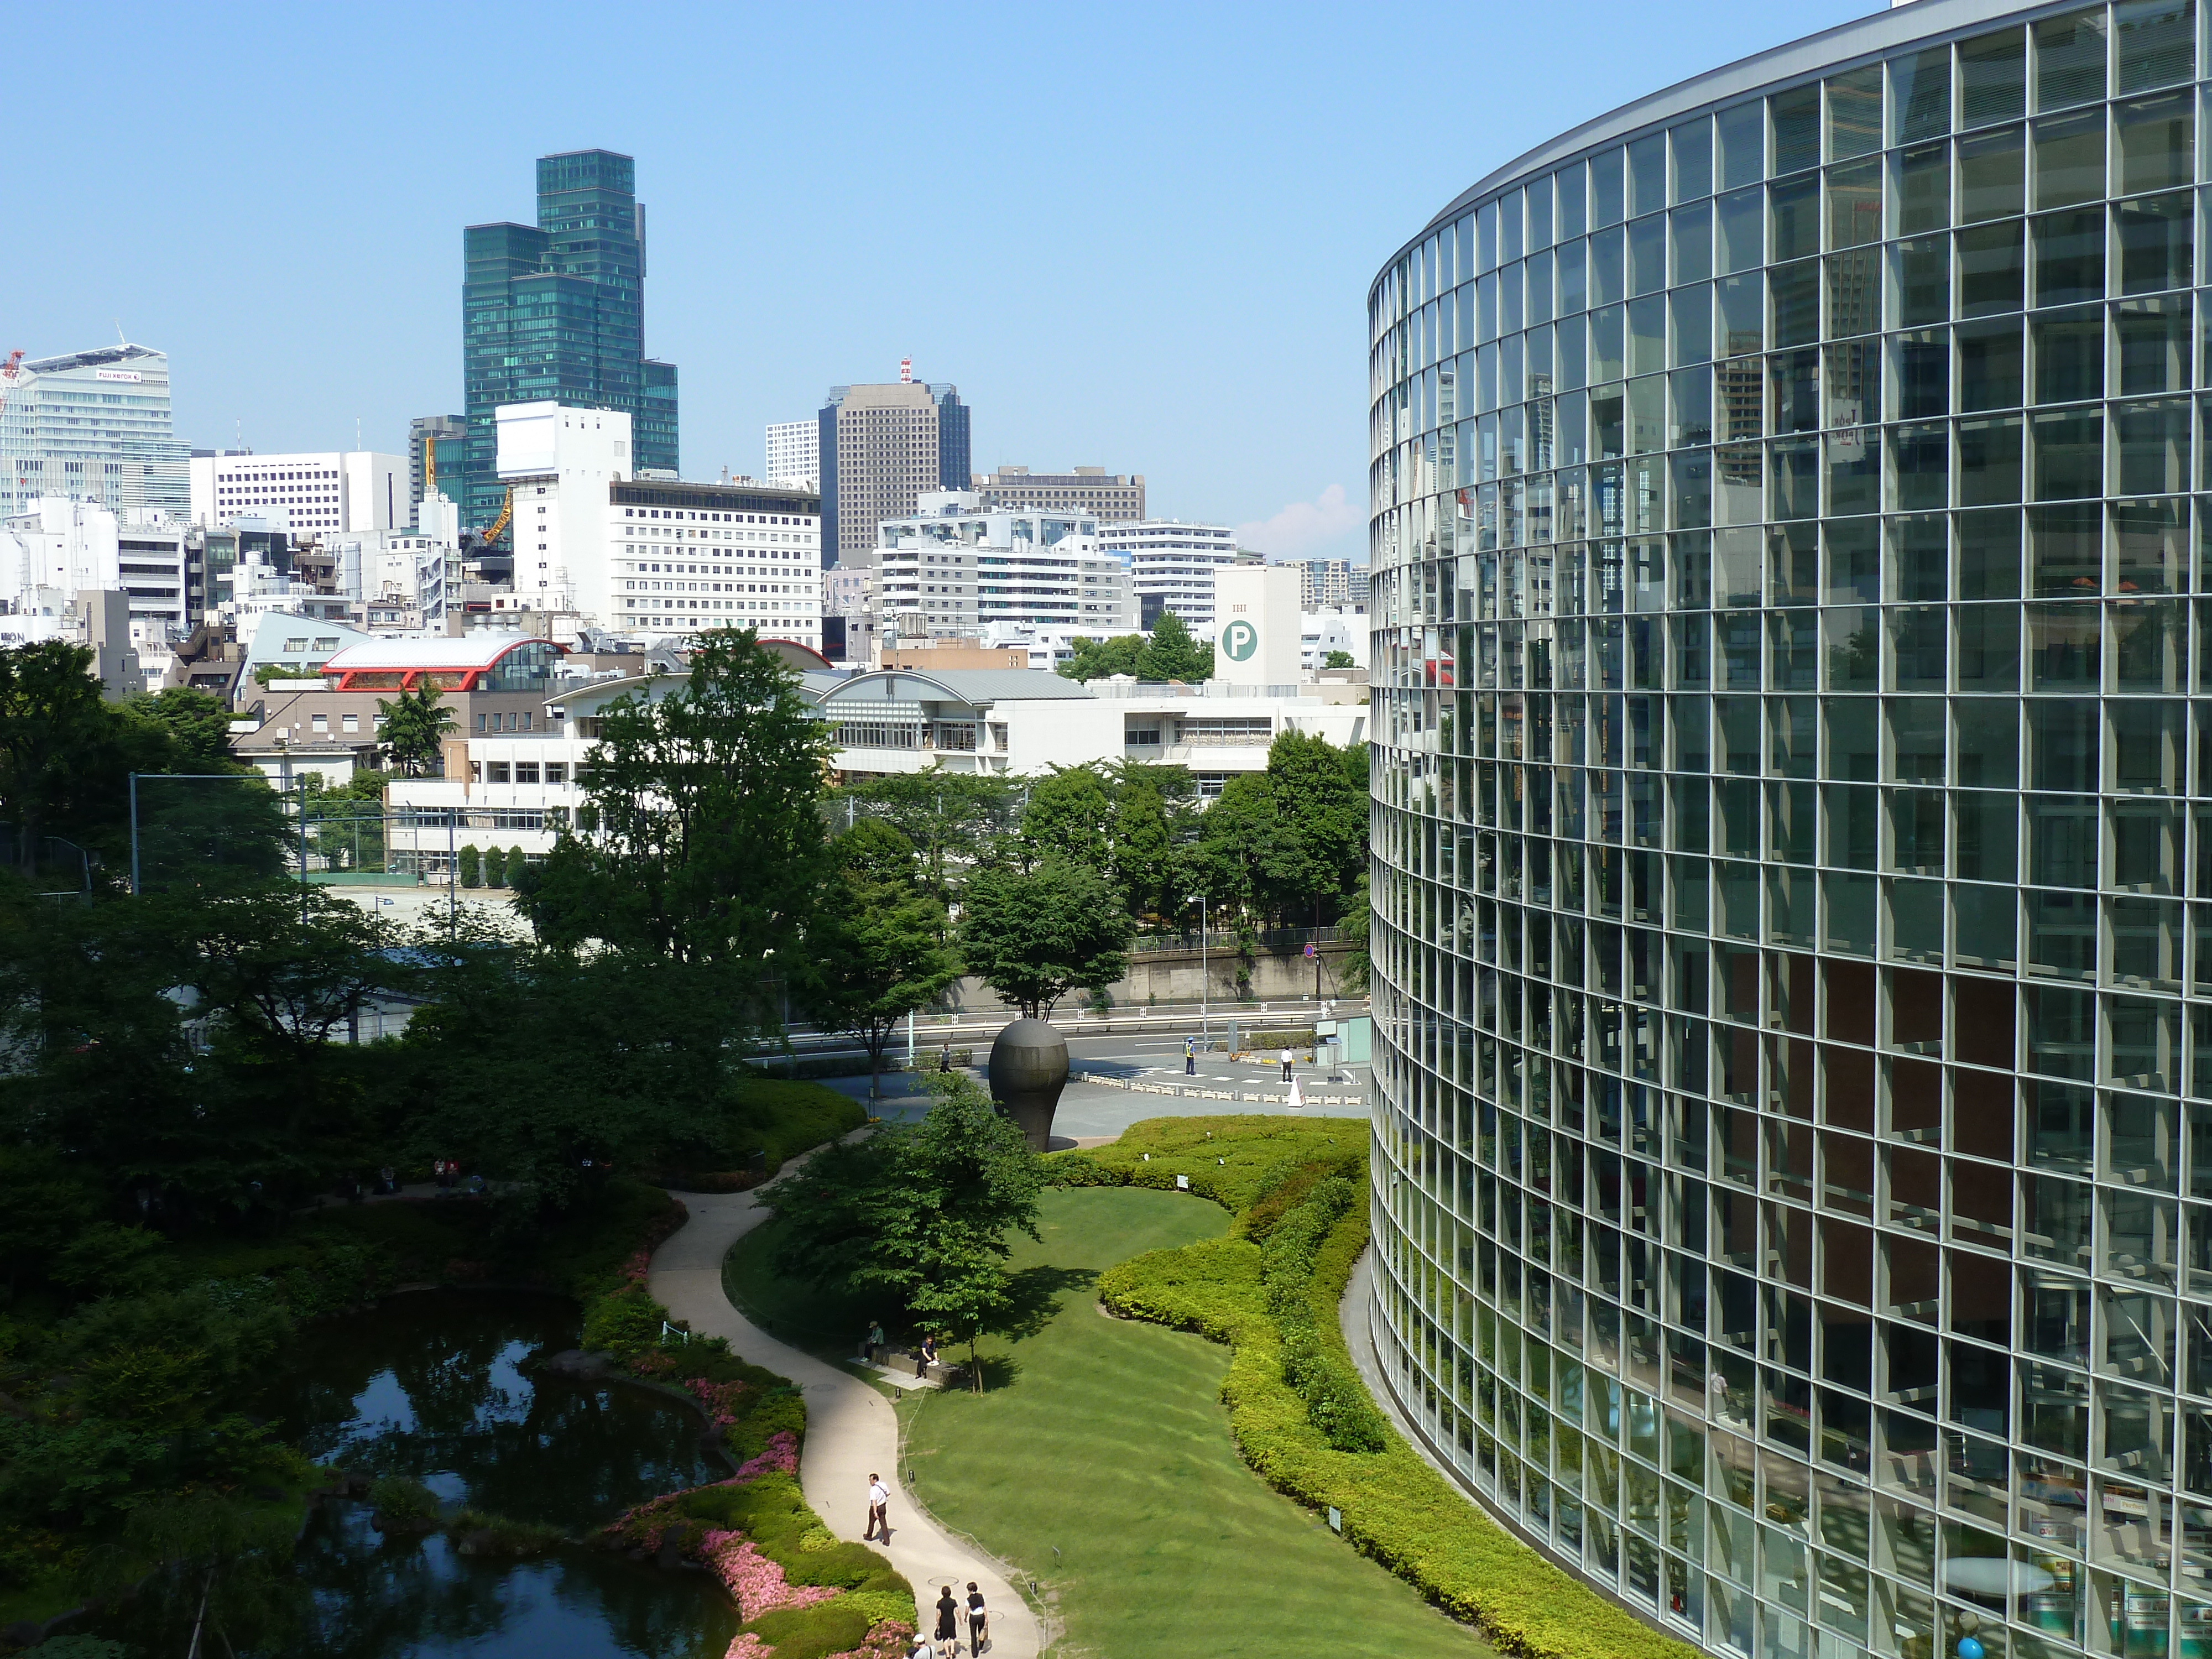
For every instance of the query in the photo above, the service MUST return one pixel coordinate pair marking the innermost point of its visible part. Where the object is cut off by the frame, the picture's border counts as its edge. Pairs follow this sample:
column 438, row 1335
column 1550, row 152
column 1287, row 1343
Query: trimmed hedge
column 1285, row 1389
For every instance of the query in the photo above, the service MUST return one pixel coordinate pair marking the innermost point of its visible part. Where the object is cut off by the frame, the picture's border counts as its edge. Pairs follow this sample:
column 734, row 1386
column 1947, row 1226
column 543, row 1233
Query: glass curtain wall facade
column 557, row 311
column 1793, row 841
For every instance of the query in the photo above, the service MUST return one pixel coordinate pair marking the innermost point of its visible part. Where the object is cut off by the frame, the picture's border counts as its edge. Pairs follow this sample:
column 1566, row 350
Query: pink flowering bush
column 886, row 1640
column 782, row 1457
column 757, row 1583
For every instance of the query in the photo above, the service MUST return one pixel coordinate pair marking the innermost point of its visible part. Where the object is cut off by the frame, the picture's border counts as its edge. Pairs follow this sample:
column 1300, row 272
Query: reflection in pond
column 432, row 1386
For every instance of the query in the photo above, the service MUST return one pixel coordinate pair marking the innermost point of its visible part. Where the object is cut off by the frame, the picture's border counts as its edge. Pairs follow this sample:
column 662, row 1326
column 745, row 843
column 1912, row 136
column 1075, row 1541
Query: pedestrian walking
column 879, row 1503
column 945, row 1057
column 979, row 1619
column 390, row 1182
column 1286, row 1065
column 927, row 1357
column 948, row 1624
column 1189, row 1058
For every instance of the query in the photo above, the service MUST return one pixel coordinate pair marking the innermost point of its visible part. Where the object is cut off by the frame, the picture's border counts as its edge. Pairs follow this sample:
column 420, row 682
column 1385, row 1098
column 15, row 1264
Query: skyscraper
column 1791, row 1032
column 881, row 447
column 93, row 426
column 795, row 452
column 555, row 311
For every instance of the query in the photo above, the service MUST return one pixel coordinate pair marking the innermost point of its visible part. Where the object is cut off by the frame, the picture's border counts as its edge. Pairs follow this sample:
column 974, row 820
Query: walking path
column 851, row 1430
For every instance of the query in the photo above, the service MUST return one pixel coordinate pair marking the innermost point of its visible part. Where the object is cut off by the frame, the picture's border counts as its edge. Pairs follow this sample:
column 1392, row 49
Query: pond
column 432, row 1386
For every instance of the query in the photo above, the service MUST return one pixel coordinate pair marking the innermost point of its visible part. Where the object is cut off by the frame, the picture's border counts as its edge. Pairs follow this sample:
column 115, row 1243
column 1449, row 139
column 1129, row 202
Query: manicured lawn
column 1105, row 1439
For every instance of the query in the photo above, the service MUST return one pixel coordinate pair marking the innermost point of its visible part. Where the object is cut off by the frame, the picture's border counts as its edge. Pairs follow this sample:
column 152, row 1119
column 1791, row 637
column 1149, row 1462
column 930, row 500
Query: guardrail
column 1186, row 1091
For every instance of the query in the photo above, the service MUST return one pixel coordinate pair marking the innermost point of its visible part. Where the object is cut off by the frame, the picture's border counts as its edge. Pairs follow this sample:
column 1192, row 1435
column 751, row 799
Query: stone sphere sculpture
column 1028, row 1068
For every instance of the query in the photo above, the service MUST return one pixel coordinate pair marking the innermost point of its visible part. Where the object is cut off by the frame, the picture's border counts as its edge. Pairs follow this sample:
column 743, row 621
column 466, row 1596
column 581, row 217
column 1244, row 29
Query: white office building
column 318, row 494
column 1171, row 565
column 399, row 578
column 53, row 550
column 655, row 557
column 794, row 454
column 518, row 788
column 954, row 566
column 91, row 426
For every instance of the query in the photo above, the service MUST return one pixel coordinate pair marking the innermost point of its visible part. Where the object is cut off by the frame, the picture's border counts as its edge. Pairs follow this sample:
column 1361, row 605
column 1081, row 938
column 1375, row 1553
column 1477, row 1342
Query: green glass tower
column 555, row 311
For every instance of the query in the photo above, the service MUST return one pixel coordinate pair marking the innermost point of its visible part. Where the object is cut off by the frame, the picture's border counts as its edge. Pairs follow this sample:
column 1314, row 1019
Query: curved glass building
column 1793, row 840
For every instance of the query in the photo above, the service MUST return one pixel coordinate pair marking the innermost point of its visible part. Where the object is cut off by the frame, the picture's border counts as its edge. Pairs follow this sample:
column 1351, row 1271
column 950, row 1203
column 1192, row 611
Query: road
column 1090, row 1111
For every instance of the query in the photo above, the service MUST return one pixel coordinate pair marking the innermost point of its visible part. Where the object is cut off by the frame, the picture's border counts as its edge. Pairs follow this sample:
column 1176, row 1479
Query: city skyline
column 1205, row 343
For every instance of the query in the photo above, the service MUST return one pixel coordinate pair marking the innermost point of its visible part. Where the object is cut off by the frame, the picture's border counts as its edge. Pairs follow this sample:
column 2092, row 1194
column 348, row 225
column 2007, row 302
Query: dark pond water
column 431, row 1386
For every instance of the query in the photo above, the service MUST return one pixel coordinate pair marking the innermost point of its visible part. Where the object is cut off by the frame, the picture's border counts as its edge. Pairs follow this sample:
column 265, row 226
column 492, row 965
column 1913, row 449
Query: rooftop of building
column 445, row 653
column 972, row 685
column 98, row 357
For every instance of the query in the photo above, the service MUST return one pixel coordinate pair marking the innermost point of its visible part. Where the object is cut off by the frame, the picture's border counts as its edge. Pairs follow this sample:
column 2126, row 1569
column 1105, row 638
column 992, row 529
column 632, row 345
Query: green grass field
column 1106, row 1439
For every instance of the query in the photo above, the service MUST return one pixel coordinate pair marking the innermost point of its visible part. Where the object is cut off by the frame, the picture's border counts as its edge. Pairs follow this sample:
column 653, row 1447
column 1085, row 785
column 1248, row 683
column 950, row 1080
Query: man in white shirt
column 879, row 1497
column 1286, row 1065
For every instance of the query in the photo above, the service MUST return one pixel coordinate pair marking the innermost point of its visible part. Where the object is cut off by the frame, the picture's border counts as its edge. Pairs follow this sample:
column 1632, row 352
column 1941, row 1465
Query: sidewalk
column 851, row 1428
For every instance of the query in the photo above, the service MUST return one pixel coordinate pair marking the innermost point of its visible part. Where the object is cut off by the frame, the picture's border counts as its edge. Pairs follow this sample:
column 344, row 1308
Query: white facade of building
column 152, row 561
column 320, row 492
column 1257, row 632
column 1172, row 563
column 93, row 426
column 654, row 557
column 794, row 454
column 516, row 789
column 1323, row 632
column 954, row 566
column 392, row 571
column 53, row 551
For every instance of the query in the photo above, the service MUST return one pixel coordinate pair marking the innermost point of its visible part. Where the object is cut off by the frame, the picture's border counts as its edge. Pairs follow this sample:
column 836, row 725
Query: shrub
column 1298, row 1410
column 470, row 860
column 402, row 1503
column 837, row 1625
column 625, row 1324
column 478, row 1533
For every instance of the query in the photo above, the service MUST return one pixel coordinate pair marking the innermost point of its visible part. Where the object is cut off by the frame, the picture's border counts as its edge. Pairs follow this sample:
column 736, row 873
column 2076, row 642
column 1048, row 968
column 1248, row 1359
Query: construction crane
column 8, row 374
column 499, row 524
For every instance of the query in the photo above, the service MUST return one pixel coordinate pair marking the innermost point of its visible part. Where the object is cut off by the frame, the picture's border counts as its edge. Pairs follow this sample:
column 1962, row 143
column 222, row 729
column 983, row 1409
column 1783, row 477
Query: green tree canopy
column 1291, row 839
column 950, row 819
column 882, row 944
column 415, row 728
column 922, row 1211
column 1173, row 654
column 701, row 837
column 1096, row 659
column 1069, row 812
column 1033, row 936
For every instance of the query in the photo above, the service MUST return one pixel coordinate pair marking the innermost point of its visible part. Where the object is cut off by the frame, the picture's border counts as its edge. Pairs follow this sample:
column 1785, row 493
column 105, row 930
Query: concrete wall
column 1173, row 976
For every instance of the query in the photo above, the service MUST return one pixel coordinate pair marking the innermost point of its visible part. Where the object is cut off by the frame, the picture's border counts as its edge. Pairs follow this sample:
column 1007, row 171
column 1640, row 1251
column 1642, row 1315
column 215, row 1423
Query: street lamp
column 1205, row 1030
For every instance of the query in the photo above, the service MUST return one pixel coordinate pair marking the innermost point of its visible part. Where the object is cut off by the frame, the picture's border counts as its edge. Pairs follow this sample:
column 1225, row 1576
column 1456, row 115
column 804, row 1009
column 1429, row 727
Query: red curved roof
column 455, row 663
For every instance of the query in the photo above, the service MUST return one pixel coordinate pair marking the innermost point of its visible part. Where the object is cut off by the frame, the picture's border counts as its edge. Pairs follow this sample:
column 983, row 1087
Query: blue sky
column 1136, row 236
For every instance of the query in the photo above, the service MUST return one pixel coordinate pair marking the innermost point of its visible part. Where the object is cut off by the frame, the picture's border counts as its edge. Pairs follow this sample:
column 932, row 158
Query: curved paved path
column 851, row 1429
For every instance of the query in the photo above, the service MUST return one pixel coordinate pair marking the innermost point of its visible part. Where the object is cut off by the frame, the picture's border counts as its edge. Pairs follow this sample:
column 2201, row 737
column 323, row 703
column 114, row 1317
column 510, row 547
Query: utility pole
column 1205, row 1026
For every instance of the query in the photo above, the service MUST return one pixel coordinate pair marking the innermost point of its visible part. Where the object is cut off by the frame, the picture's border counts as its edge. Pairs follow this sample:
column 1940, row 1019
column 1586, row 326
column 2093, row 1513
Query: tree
column 1069, row 813
column 701, row 837
column 1173, row 654
column 1338, row 660
column 518, row 865
column 923, row 1211
column 950, row 819
column 1032, row 936
column 1093, row 660
column 1293, row 839
column 494, row 867
column 199, row 723
column 415, row 726
column 52, row 722
column 884, row 954
column 470, row 860
column 1154, row 809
